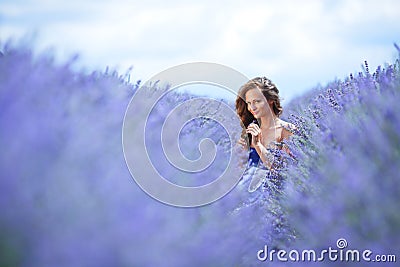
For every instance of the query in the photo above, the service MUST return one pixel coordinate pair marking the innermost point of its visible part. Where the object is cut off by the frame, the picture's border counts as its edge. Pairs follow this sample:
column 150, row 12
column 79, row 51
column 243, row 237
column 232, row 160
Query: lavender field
column 68, row 199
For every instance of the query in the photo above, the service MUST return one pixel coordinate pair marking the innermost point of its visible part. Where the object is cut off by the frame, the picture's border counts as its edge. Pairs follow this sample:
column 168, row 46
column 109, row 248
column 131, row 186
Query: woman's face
column 256, row 102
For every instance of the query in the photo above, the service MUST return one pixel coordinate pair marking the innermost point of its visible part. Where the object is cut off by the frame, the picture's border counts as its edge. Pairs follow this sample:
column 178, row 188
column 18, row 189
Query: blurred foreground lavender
column 67, row 198
column 344, row 182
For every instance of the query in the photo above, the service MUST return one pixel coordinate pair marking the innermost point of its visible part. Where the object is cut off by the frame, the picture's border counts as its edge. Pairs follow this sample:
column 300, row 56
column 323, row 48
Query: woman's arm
column 262, row 151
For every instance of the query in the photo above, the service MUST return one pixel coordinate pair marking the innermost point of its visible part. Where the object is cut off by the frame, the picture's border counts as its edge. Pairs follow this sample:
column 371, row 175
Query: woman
column 258, row 106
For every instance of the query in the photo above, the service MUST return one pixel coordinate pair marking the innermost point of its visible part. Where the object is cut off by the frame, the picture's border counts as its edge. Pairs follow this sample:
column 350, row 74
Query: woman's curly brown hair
column 268, row 89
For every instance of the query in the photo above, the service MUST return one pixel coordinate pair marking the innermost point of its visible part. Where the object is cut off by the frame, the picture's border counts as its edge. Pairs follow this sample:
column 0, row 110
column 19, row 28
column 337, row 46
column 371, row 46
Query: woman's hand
column 256, row 135
column 255, row 132
column 242, row 143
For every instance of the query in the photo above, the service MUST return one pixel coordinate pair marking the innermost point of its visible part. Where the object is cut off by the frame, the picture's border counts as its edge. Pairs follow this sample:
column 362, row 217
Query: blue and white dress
column 255, row 173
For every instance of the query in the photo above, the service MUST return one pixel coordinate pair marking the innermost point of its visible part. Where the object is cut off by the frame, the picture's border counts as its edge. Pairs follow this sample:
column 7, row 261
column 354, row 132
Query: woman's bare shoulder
column 285, row 125
column 287, row 129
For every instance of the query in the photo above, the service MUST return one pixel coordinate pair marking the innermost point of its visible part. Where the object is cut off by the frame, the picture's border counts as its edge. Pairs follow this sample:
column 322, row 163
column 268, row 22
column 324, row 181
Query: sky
column 297, row 44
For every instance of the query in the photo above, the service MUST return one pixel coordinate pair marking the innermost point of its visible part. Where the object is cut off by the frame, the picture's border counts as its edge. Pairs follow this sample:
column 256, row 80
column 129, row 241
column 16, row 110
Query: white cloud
column 296, row 43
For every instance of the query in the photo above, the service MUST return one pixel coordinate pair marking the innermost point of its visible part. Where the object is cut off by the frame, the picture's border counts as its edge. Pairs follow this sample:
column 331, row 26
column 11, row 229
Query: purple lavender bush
column 67, row 197
column 344, row 181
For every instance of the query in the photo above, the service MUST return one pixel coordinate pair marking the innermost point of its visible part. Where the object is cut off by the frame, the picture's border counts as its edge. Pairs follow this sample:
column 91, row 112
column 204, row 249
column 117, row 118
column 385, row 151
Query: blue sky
column 297, row 44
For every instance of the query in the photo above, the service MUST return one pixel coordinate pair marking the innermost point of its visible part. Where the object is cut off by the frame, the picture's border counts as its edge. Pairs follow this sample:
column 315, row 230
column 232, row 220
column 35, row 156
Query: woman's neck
column 268, row 121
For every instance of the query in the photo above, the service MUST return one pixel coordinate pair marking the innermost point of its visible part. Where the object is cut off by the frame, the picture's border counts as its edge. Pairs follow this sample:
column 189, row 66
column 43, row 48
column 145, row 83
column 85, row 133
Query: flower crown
column 267, row 83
